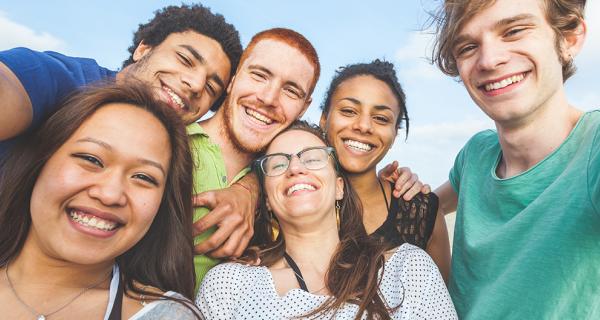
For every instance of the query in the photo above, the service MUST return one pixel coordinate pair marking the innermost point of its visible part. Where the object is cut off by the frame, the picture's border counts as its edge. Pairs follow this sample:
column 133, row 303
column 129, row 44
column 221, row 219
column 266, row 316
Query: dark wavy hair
column 352, row 276
column 563, row 16
column 379, row 69
column 198, row 18
column 163, row 257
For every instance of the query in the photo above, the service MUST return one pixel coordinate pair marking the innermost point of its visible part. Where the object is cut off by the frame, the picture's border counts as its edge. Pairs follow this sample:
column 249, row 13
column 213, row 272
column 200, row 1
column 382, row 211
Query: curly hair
column 198, row 18
column 563, row 16
column 379, row 69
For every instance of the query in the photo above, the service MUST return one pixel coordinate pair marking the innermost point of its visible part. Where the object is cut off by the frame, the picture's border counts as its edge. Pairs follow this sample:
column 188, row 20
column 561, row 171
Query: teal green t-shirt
column 528, row 247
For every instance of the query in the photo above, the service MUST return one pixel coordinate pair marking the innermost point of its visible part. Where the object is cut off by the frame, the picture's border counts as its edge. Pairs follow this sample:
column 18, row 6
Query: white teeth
column 504, row 83
column 93, row 222
column 258, row 116
column 177, row 99
column 298, row 187
column 358, row 145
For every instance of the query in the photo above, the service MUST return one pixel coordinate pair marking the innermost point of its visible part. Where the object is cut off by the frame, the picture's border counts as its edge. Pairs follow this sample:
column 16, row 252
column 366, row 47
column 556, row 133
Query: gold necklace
column 41, row 316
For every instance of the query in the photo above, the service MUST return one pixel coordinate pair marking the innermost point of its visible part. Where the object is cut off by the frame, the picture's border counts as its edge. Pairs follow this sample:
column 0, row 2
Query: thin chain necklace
column 40, row 316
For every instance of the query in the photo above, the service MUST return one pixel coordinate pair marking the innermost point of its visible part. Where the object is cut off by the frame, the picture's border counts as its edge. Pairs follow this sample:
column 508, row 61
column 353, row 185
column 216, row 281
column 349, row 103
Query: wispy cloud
column 13, row 34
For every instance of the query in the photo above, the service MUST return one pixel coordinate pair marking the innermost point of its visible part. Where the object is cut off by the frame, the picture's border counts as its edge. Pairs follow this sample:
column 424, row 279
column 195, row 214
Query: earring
column 337, row 213
column 274, row 226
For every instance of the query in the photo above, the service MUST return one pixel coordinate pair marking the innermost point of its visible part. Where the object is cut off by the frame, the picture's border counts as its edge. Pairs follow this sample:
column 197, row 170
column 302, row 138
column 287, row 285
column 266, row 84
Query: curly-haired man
column 187, row 53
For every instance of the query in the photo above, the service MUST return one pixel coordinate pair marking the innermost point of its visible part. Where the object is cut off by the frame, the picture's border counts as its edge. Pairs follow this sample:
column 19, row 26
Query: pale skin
column 538, row 117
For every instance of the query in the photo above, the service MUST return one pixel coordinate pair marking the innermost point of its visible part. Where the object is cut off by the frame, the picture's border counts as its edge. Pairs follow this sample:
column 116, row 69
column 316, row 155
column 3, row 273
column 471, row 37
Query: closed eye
column 146, row 178
column 184, row 59
column 89, row 158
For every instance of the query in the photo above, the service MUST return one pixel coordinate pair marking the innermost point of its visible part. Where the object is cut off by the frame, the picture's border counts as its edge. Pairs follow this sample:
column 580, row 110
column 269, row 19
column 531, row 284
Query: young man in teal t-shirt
column 527, row 235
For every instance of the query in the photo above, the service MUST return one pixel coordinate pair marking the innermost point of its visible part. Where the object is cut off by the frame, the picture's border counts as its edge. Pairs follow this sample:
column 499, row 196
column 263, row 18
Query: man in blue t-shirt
column 187, row 53
column 527, row 239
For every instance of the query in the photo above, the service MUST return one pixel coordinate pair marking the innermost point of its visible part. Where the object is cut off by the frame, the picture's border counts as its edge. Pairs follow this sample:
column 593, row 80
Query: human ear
column 339, row 188
column 141, row 51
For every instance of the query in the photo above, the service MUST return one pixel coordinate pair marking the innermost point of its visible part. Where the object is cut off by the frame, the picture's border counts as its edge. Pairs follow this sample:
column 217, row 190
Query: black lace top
column 409, row 221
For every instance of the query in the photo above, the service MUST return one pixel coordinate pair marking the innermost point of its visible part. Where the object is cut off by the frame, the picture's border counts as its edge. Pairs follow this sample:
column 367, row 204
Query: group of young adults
column 111, row 207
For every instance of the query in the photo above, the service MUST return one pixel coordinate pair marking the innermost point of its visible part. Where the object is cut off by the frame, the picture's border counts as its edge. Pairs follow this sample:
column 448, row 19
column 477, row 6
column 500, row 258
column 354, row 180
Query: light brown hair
column 563, row 16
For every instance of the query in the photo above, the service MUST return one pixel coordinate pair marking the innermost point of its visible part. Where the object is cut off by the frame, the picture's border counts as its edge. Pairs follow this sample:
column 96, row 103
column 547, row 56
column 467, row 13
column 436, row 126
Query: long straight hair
column 163, row 257
column 352, row 276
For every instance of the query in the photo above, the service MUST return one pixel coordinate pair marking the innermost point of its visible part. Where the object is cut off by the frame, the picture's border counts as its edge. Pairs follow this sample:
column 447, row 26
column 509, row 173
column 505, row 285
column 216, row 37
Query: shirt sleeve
column 216, row 298
column 457, row 169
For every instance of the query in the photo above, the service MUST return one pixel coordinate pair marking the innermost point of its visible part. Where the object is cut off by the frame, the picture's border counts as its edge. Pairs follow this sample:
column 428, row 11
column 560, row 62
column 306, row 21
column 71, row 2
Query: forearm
column 15, row 105
column 448, row 198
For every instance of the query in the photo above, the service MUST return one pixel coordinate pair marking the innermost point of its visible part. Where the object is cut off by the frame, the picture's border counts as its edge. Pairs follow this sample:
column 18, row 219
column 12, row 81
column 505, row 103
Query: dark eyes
column 258, row 75
column 513, row 32
column 184, row 59
column 95, row 162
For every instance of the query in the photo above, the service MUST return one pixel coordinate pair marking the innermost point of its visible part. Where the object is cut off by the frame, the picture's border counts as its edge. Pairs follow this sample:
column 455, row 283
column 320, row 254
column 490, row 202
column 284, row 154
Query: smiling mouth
column 357, row 145
column 91, row 221
column 176, row 100
column 504, row 82
column 300, row 187
column 258, row 116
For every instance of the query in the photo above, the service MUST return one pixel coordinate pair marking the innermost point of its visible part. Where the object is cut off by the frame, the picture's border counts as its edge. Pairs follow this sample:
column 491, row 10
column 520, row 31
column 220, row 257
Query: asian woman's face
column 98, row 194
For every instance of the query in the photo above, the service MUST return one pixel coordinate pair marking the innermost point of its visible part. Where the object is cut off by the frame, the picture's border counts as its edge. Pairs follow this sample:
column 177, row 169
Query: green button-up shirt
column 209, row 174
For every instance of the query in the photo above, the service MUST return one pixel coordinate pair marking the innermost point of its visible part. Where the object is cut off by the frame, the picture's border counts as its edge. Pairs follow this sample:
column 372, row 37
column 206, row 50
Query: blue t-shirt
column 48, row 77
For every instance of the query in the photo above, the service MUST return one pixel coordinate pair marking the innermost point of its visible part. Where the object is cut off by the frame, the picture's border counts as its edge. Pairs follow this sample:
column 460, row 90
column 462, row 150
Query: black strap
column 115, row 313
column 387, row 204
column 297, row 271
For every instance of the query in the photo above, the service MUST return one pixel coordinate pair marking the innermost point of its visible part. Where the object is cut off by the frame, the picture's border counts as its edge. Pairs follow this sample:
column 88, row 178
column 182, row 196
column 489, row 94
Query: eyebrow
column 377, row 107
column 498, row 25
column 288, row 82
column 110, row 148
column 215, row 77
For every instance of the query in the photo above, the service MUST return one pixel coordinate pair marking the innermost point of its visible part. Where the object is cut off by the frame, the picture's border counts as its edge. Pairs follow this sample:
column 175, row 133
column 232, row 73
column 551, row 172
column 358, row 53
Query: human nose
column 110, row 190
column 194, row 81
column 296, row 166
column 268, row 94
column 363, row 124
column 492, row 54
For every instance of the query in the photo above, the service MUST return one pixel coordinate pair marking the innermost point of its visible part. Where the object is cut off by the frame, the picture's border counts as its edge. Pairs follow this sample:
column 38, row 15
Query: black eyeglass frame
column 260, row 161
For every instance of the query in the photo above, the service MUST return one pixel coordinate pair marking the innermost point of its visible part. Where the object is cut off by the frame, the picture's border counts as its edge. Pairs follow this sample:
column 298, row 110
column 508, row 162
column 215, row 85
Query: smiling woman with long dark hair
column 95, row 212
column 314, row 256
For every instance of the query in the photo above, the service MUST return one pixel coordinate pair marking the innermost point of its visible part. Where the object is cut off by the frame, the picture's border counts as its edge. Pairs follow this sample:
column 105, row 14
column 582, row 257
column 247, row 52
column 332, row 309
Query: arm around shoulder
column 15, row 105
column 438, row 246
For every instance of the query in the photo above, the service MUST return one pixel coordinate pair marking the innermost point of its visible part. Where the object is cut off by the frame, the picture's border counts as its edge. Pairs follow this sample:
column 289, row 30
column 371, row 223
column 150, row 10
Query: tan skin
column 361, row 125
column 108, row 165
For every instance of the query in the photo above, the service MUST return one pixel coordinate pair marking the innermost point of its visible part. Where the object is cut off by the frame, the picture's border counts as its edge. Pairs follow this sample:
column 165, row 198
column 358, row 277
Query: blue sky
column 442, row 115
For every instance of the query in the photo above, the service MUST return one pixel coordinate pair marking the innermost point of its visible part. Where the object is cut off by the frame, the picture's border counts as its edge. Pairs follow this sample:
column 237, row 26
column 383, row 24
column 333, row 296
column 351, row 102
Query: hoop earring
column 337, row 213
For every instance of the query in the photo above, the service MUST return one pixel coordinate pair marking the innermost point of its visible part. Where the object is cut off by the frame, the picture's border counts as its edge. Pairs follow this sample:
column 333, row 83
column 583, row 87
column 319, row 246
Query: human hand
column 406, row 183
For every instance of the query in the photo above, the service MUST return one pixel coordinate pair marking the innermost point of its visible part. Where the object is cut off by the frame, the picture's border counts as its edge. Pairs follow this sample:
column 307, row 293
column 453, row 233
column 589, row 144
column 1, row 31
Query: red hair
column 294, row 40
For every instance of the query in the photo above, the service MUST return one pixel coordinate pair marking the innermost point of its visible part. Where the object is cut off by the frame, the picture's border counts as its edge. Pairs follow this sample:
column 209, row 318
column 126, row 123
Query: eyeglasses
column 313, row 158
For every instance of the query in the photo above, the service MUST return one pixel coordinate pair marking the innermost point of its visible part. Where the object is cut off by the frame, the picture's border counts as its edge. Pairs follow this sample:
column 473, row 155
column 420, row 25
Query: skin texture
column 273, row 81
column 191, row 65
column 532, row 116
column 307, row 218
column 364, row 109
column 107, row 167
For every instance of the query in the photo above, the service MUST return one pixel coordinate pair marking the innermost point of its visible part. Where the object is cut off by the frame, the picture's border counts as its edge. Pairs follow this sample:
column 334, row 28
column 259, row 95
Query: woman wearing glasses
column 362, row 113
column 311, row 256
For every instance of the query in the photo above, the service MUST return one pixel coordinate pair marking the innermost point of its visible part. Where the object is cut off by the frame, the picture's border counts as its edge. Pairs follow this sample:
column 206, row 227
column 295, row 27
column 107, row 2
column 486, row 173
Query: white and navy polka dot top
column 237, row 291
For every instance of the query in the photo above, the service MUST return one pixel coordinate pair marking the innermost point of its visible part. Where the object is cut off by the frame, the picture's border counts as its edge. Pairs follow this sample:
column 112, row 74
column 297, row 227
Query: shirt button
column 224, row 179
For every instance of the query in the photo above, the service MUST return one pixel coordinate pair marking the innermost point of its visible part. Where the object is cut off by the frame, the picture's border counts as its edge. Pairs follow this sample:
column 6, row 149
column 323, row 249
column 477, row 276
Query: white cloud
column 13, row 34
column 413, row 58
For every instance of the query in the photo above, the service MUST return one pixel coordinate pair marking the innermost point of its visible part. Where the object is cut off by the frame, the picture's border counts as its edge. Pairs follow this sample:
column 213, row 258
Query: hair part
column 563, row 16
column 163, row 257
column 379, row 69
column 292, row 39
column 197, row 18
column 352, row 276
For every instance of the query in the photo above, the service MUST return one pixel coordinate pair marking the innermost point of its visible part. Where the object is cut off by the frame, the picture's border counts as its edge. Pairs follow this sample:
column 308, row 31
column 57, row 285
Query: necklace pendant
column 41, row 317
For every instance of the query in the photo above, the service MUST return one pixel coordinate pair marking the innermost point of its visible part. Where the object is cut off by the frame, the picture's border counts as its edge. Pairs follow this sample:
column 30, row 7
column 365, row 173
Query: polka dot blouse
column 411, row 280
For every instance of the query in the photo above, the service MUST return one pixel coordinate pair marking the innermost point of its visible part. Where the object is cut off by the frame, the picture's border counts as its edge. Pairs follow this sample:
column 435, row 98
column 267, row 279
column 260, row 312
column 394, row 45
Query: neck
column 236, row 158
column 373, row 201
column 313, row 246
column 37, row 269
column 526, row 144
column 366, row 185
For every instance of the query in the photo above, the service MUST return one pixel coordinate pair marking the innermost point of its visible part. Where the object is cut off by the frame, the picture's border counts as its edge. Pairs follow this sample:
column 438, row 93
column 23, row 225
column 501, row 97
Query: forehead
column 503, row 10
column 294, row 141
column 128, row 130
column 209, row 48
column 369, row 90
column 283, row 61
